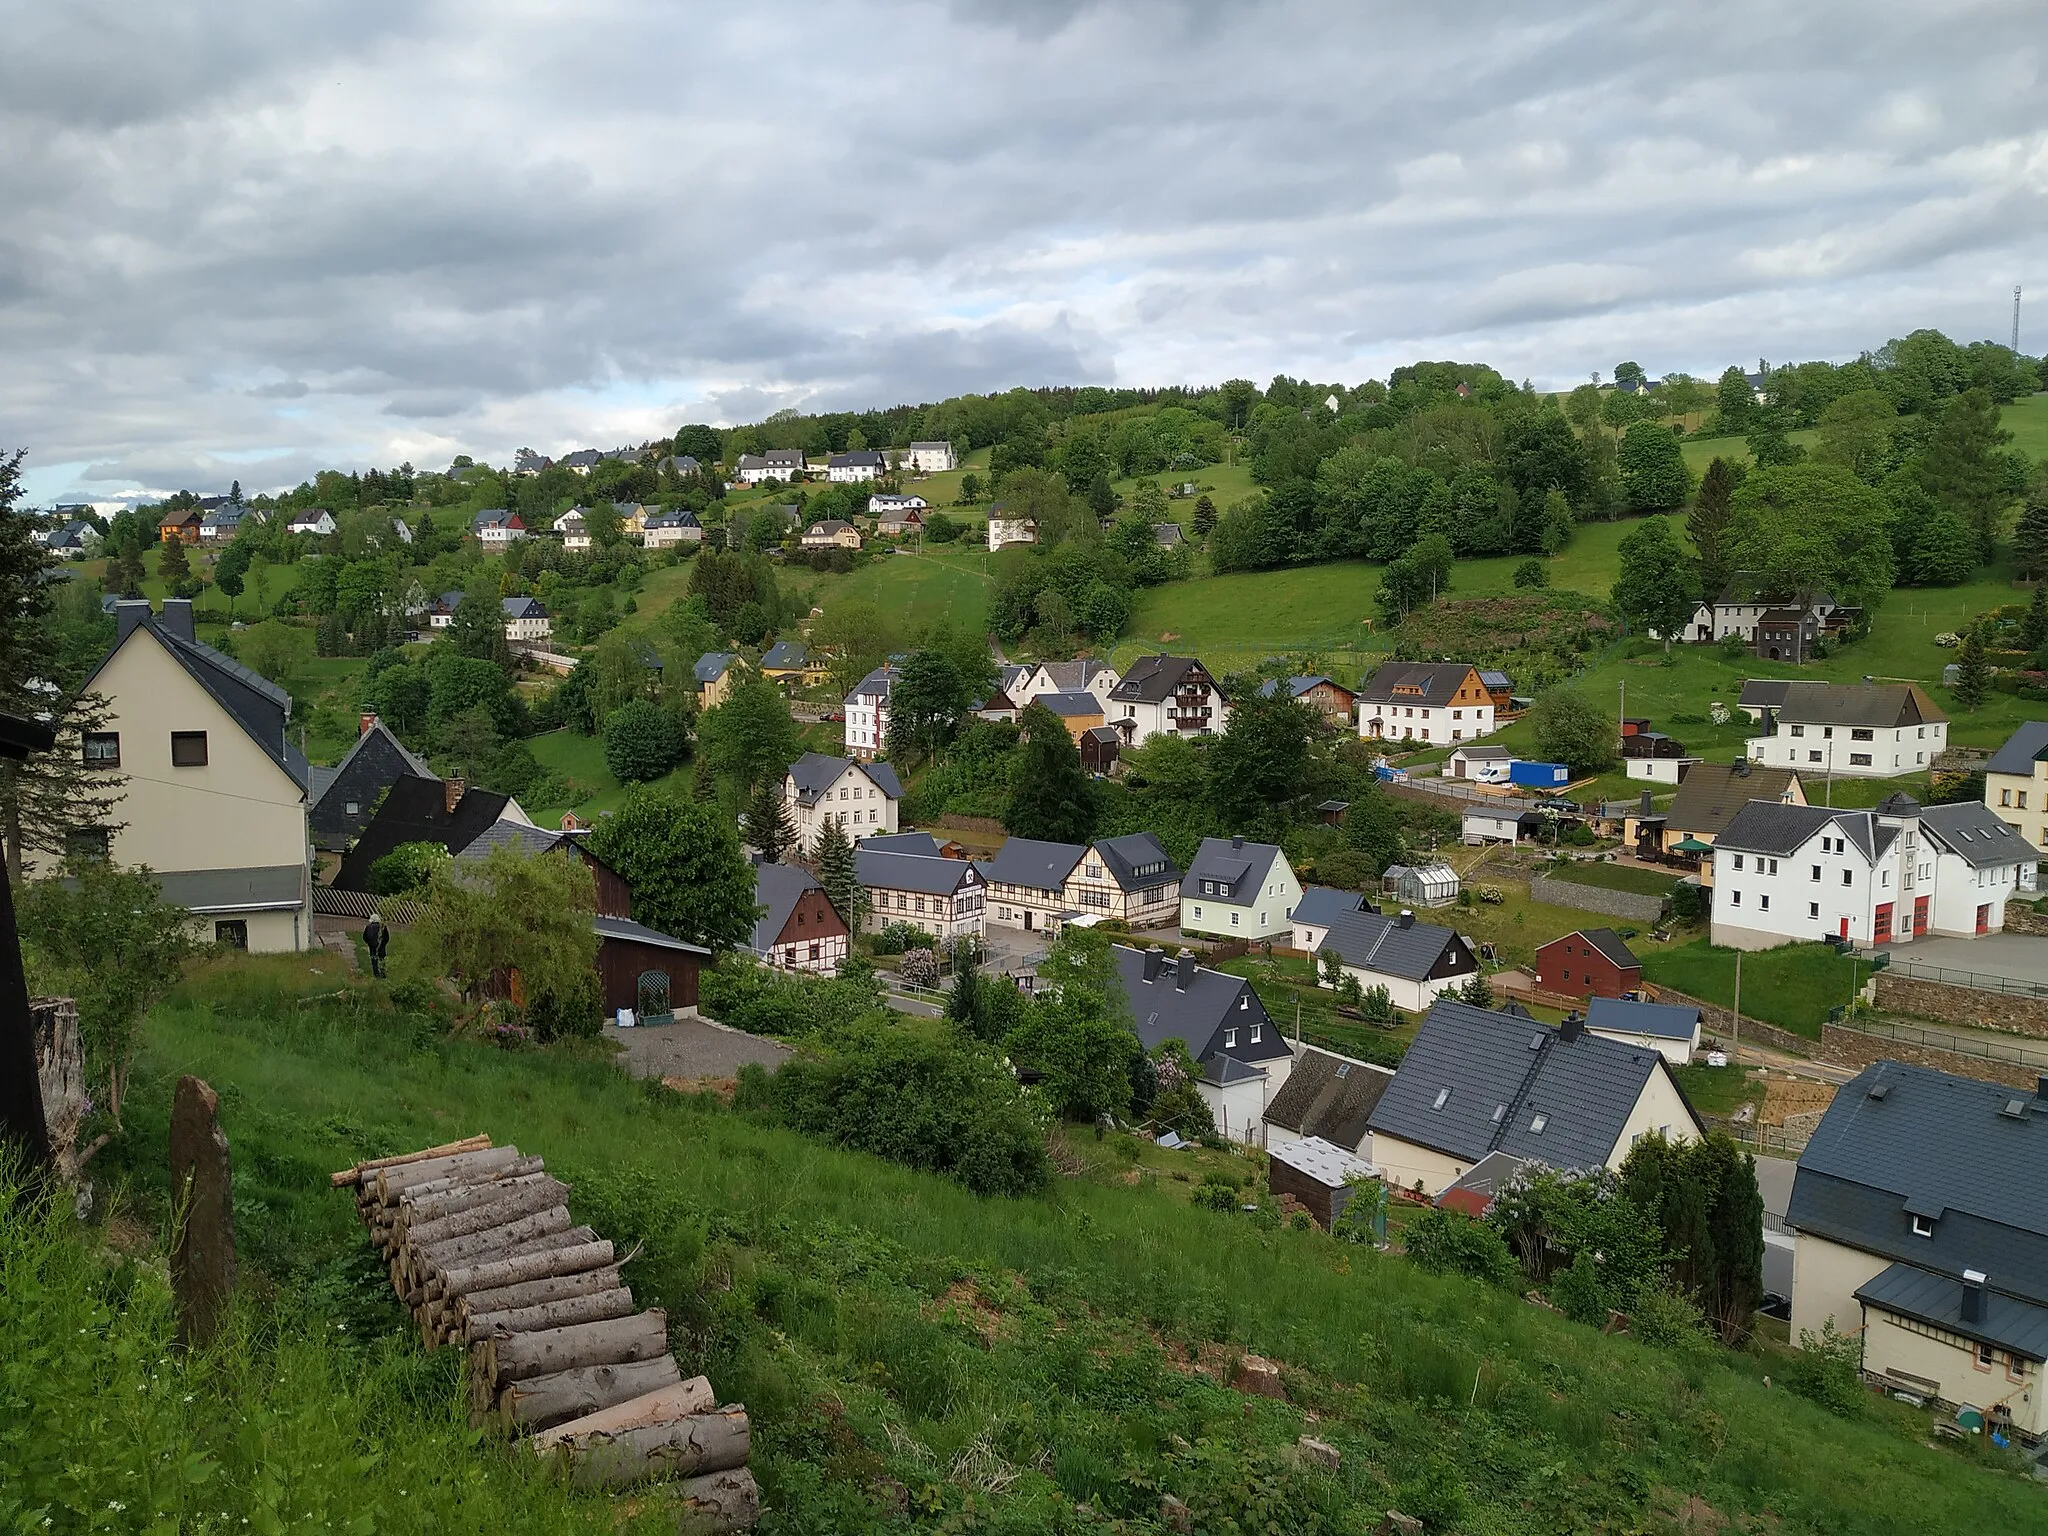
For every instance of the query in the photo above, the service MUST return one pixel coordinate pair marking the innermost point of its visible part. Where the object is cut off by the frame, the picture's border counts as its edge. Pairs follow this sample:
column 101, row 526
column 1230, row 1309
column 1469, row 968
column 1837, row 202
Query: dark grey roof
column 234, row 890
column 1198, row 1013
column 915, row 447
column 1070, row 703
column 625, row 929
column 507, row 833
column 1224, row 1069
column 1610, row 944
column 1329, row 1096
column 1071, row 676
column 2022, row 750
column 1154, row 679
column 1321, row 904
column 1376, row 943
column 785, row 653
column 1136, row 861
column 712, row 664
column 1711, row 793
column 490, row 517
column 777, row 889
column 876, row 684
column 830, row 527
column 1503, row 1073
column 1940, row 1146
column 2005, row 1322
column 1883, row 705
column 856, row 459
column 522, row 608
column 1972, row 831
column 904, row 842
column 1436, row 680
column 1484, row 1178
column 1763, row 692
column 1667, row 1021
column 1167, row 535
column 1238, row 865
column 1034, row 865
column 1475, row 752
column 1295, row 686
column 879, row 869
column 1764, row 826
column 816, row 772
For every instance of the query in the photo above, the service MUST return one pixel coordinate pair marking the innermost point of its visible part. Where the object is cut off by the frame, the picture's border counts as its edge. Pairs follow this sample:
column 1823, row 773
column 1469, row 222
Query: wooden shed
column 1317, row 1173
column 646, row 970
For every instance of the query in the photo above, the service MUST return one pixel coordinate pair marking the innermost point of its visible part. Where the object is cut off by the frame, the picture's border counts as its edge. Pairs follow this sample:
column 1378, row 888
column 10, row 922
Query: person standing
column 376, row 939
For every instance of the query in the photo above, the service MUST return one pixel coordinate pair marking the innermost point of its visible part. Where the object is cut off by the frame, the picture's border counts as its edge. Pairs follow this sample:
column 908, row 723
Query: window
column 102, row 749
column 1764, row 903
column 86, row 843
column 232, row 932
column 1258, row 1033
column 1735, row 898
column 188, row 749
column 1860, row 734
column 1816, row 871
column 1813, row 909
column 1986, row 1355
column 1923, row 1226
column 1774, row 866
column 1229, row 1039
column 1847, row 878
column 1738, row 861
column 1233, row 919
column 1536, row 1125
column 2004, row 795
column 1859, row 759
column 1443, row 1097
column 1813, row 757
column 1798, row 730
column 2023, row 799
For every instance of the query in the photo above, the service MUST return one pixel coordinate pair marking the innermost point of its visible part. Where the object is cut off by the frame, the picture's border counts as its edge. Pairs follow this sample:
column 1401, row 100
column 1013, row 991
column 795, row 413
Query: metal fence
column 2017, row 1053
column 2009, row 985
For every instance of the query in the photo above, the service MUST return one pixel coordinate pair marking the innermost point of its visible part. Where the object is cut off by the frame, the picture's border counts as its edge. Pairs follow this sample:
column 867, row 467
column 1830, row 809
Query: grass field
column 1793, row 986
column 1718, row 1091
column 581, row 760
column 1001, row 1361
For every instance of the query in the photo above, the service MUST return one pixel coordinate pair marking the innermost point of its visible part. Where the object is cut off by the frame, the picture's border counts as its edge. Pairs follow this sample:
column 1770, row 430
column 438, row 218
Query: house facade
column 1004, row 530
column 1127, row 879
column 716, row 673
column 947, row 898
column 181, row 526
column 1239, row 890
column 867, row 714
column 526, row 620
column 495, row 527
column 1708, row 798
column 318, row 523
column 1320, row 906
column 1027, row 883
column 1078, row 712
column 860, row 797
column 1167, row 696
column 214, row 793
column 783, row 464
column 1416, row 962
column 574, row 529
column 860, row 464
column 1083, row 675
column 799, row 929
column 830, row 534
column 1866, row 731
column 1901, row 871
column 1243, row 1056
column 1592, row 962
column 665, row 530
column 1327, row 697
column 929, row 458
column 1772, row 624
column 342, row 799
column 1425, row 701
column 2016, row 790
column 1920, row 1227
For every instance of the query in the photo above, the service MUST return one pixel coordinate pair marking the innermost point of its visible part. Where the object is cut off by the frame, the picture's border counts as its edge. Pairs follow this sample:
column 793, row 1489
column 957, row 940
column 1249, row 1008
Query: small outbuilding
column 1504, row 823
column 1671, row 1029
column 1318, row 1174
column 1591, row 962
column 1421, row 885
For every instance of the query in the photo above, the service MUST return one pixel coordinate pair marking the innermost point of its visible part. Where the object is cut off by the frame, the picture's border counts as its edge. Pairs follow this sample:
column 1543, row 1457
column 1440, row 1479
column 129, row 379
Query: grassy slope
column 823, row 1288
column 1793, row 986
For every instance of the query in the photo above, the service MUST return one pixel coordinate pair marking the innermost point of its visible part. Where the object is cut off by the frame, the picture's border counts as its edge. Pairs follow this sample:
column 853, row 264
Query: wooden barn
column 1317, row 1173
column 645, row 970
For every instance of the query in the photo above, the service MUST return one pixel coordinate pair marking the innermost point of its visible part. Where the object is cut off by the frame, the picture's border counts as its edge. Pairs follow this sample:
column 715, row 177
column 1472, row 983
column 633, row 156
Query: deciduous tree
column 1054, row 799
column 684, row 863
column 1657, row 588
column 750, row 737
column 1571, row 729
column 516, row 912
column 1805, row 529
column 1653, row 472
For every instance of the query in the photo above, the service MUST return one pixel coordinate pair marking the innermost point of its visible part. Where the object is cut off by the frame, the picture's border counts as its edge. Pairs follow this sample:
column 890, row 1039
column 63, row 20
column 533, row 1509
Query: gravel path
column 692, row 1048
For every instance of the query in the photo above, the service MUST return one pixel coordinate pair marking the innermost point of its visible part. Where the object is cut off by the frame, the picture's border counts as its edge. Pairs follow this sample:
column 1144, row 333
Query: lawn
column 1718, row 1091
column 1613, row 877
column 581, row 760
column 942, row 584
column 1003, row 1360
column 1793, row 986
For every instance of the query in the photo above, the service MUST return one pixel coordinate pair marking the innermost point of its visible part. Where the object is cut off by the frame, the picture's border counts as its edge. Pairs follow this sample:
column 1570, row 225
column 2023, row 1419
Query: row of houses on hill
column 851, row 467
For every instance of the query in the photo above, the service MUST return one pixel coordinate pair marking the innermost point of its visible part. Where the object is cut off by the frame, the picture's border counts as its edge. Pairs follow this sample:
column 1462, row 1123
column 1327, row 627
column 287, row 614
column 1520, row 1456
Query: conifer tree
column 1973, row 673
column 1707, row 525
column 1053, row 799
column 836, row 874
column 2034, row 625
column 768, row 821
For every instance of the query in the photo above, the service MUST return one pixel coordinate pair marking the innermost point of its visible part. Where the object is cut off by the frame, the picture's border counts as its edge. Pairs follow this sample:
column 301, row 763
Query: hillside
column 915, row 1357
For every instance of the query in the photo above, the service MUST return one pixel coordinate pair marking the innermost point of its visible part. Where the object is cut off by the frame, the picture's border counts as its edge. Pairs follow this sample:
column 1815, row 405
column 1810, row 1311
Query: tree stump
column 1259, row 1377
column 202, row 1191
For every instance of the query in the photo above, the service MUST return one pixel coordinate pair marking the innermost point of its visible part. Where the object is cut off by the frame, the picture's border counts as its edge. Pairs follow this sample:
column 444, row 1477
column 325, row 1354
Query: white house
column 1004, row 530
column 861, row 797
column 1783, row 873
column 1506, row 822
column 1760, row 616
column 1242, row 1054
column 1027, row 883
column 525, row 619
column 783, row 464
column 945, row 897
column 857, row 465
column 1852, row 730
column 1166, row 696
column 664, row 530
column 441, row 612
column 1484, row 765
column 316, row 520
column 574, row 529
column 1085, row 675
column 884, row 503
column 867, row 714
column 929, row 458
column 1239, row 890
column 1320, row 906
column 1670, row 1029
column 495, row 527
column 1426, row 701
column 1416, row 962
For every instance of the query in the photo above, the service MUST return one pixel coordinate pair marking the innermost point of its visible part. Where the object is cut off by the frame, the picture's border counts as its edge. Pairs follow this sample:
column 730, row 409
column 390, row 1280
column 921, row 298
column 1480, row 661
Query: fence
column 1954, row 1041
column 1765, row 1140
column 2009, row 985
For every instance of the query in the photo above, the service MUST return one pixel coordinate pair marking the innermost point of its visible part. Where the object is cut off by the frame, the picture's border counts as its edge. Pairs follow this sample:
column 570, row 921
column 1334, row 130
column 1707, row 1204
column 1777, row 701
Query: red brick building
column 1593, row 962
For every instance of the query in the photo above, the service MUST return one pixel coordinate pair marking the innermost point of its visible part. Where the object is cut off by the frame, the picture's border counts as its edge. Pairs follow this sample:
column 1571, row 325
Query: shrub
column 920, row 968
column 1667, row 1320
column 1217, row 1194
column 1688, row 901
column 1828, row 1370
column 1448, row 1243
column 406, row 868
column 1530, row 573
column 901, row 937
column 641, row 742
column 1578, row 1292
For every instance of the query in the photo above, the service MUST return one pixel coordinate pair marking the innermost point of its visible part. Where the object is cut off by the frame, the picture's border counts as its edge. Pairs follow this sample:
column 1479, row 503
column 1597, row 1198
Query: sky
column 250, row 240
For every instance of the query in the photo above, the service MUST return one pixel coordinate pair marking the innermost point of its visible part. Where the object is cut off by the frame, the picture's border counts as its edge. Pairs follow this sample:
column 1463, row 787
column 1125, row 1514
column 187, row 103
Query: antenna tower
column 2015, row 319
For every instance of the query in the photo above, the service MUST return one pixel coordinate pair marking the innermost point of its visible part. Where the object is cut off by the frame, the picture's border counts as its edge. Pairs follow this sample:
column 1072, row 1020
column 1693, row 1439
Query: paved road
column 2011, row 955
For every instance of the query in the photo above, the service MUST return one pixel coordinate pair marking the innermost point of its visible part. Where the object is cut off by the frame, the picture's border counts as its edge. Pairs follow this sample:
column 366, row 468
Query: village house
column 833, row 533
column 786, row 662
column 1416, row 962
column 1670, row 1028
column 1784, row 873
column 1128, row 880
column 867, row 714
column 1168, row 535
column 1327, row 1096
column 1475, row 1082
column 1078, row 712
column 448, row 813
column 896, row 515
column 214, row 792
column 1708, row 798
column 527, row 462
column 1868, row 730
column 945, row 897
column 342, row 799
column 1425, row 701
column 582, row 461
column 217, row 527
column 929, row 458
column 316, row 522
column 1027, row 884
column 716, row 674
column 2016, row 790
column 1506, row 822
column 799, row 929
column 1083, row 675
column 1167, row 696
column 862, row 797
column 181, row 526
column 494, row 527
column 441, row 611
column 1004, row 530
column 1590, row 962
column 1747, row 608
column 1319, row 906
column 857, row 465
column 665, row 530
column 1328, row 698
column 784, row 464
column 680, row 464
column 1919, row 1217
column 633, row 519
column 526, row 620
column 574, row 527
column 1102, row 748
column 1243, row 1057
column 1239, row 890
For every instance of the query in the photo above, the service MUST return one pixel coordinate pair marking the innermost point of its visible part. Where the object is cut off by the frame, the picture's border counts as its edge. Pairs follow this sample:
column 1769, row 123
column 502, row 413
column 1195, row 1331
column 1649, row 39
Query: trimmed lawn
column 1614, row 877
column 581, row 760
column 1792, row 986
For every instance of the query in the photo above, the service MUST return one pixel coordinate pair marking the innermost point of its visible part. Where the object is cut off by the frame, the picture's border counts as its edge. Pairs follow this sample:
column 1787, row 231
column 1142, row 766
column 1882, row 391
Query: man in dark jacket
column 376, row 939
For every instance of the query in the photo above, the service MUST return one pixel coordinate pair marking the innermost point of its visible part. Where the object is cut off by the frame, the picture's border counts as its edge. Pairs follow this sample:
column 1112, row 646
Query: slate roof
column 374, row 760
column 859, row 458
column 1882, row 705
column 1155, row 679
column 1610, row 944
column 816, row 772
column 830, row 528
column 712, row 664
column 582, row 458
column 1973, row 832
column 1437, row 680
column 522, row 608
column 1667, row 1021
column 876, row 684
column 916, row 447
column 1162, row 1010
column 681, row 463
column 1167, row 535
column 1237, row 864
column 880, row 869
column 1124, row 858
column 232, row 890
column 2023, row 748
column 1711, row 793
column 1504, row 1073
column 784, row 655
column 1478, row 754
column 1763, row 692
column 508, row 833
column 628, row 931
column 1329, row 1096
column 1322, row 904
column 777, row 890
column 1474, row 1193
column 492, row 517
column 1011, row 675
column 1939, row 1146
column 904, row 842
column 1069, row 676
column 2006, row 1321
column 1328, row 1163
column 1065, row 704
column 1032, row 864
column 1764, row 826
column 1377, row 943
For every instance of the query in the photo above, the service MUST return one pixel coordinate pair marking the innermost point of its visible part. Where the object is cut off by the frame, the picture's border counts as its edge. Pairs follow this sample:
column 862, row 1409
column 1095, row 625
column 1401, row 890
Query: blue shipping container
column 1539, row 775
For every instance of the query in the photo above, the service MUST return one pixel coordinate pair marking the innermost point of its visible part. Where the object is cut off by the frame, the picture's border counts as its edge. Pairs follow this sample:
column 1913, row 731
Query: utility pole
column 2015, row 319
column 1737, row 1010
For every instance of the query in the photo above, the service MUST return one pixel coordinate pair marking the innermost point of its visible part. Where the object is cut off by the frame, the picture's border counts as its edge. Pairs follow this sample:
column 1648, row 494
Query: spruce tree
column 1205, row 516
column 2030, row 538
column 1054, row 800
column 836, row 874
column 2034, row 626
column 768, row 822
column 1973, row 673
column 172, row 565
column 1707, row 525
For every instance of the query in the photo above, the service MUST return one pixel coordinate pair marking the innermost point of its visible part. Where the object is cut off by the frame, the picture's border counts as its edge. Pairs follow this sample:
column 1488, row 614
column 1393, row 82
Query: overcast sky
column 252, row 239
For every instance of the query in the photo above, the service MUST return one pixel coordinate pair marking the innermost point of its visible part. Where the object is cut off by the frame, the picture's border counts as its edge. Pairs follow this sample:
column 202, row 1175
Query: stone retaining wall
column 1628, row 905
column 1962, row 1005
column 2025, row 920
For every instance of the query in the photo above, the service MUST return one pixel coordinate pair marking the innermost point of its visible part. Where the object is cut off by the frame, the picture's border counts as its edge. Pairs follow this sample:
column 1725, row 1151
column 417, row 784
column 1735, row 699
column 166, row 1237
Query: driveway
column 2007, row 955
column 1774, row 1183
column 692, row 1048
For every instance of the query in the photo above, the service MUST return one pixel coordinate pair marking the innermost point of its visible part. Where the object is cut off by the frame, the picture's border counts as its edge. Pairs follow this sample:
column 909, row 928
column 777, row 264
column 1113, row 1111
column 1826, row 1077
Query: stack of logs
column 481, row 1251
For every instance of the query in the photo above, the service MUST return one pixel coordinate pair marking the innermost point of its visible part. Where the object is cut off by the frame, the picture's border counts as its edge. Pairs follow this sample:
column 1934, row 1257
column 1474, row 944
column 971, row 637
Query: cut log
column 509, row 1298
column 355, row 1175
column 413, row 1209
column 597, row 1307
column 426, row 1258
column 392, row 1180
column 718, row 1504
column 686, row 1447
column 496, row 1210
column 543, row 1401
column 692, row 1396
column 434, row 1286
column 515, row 1269
column 616, row 1341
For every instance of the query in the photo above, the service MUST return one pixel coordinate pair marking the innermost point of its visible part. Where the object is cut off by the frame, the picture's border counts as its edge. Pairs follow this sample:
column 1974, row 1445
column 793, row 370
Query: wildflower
column 116, row 1505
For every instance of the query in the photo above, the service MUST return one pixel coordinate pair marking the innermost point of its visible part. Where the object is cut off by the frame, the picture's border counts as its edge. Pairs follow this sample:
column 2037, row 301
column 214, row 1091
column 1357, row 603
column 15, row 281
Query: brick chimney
column 451, row 794
column 177, row 617
column 1184, row 970
column 1154, row 958
column 363, row 723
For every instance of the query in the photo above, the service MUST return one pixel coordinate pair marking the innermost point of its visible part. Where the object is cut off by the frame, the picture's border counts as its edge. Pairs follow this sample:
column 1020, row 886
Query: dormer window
column 1923, row 1226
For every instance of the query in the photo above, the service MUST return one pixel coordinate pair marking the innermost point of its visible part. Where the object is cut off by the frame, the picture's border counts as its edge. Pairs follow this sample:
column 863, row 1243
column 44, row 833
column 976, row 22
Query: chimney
column 451, row 794
column 178, row 617
column 363, row 723
column 1237, row 842
column 1184, row 970
column 1646, row 802
column 1742, row 767
column 129, row 613
column 1405, row 920
column 1154, row 958
column 1573, row 1027
column 1973, row 1296
column 2041, row 1088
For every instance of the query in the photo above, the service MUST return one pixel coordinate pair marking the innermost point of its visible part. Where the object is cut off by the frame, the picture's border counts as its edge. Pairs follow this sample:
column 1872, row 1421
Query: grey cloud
column 289, row 389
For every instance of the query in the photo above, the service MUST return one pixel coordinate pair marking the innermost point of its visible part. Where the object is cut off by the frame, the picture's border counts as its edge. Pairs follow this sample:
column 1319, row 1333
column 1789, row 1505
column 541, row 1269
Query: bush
column 901, row 937
column 1668, row 1321
column 406, row 868
column 1688, row 901
column 1217, row 1194
column 941, row 529
column 1448, row 1243
column 920, row 968
column 1828, row 1370
column 1578, row 1293
column 641, row 742
column 1530, row 573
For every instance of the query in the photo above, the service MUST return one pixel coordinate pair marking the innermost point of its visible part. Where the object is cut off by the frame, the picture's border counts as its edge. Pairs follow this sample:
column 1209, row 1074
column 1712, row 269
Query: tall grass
column 996, row 1360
